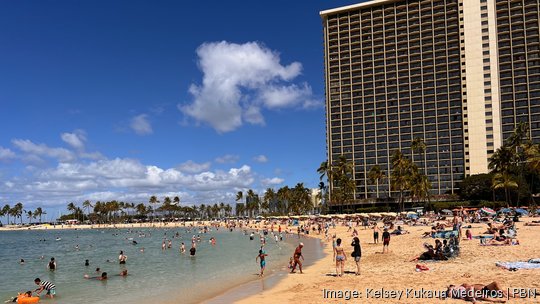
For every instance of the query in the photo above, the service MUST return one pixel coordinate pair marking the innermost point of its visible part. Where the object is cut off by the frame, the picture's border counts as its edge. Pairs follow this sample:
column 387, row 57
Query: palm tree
column 17, row 211
column 376, row 175
column 176, row 200
column 284, row 198
column 533, row 157
column 401, row 176
column 239, row 209
column 501, row 161
column 38, row 213
column 87, row 205
column 141, row 209
column 5, row 211
column 30, row 215
column 251, row 202
column 419, row 186
column 342, row 177
column 153, row 201
column 72, row 208
column 228, row 210
column 505, row 181
column 418, row 145
column 268, row 199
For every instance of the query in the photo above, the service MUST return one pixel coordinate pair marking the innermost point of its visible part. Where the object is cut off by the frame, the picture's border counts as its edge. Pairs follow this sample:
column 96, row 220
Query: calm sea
column 154, row 275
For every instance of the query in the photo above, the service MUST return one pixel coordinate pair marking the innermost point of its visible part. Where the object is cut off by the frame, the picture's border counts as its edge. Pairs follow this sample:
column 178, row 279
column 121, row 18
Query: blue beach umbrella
column 412, row 216
column 446, row 211
column 522, row 211
column 505, row 210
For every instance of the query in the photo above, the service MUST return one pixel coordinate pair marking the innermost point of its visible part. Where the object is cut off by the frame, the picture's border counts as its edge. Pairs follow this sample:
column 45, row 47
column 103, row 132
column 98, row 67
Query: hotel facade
column 458, row 74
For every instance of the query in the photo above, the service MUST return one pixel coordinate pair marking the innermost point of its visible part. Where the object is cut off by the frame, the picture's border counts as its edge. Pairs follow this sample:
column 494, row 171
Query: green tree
column 38, row 213
column 30, row 215
column 400, row 178
column 476, row 187
column 504, row 181
column 87, row 205
column 418, row 145
column 240, row 209
column 344, row 186
column 4, row 211
column 376, row 175
column 17, row 211
column 268, row 198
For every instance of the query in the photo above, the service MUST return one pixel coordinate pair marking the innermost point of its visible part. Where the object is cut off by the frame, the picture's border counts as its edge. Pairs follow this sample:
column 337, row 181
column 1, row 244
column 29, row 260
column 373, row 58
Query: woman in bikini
column 341, row 257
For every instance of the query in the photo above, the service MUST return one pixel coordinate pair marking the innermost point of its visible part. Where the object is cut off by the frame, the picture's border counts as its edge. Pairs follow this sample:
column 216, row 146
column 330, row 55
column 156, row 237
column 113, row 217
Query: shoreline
column 257, row 286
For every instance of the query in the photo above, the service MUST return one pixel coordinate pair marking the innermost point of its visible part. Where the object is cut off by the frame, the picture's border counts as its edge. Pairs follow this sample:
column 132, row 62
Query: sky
column 104, row 100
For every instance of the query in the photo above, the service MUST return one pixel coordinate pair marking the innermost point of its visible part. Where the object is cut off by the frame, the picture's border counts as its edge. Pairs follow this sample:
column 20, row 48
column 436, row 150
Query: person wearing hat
column 297, row 255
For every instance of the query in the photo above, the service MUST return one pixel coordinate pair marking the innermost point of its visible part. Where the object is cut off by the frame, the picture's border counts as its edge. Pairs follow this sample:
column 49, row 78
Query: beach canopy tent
column 446, row 211
column 521, row 211
column 505, row 210
column 488, row 211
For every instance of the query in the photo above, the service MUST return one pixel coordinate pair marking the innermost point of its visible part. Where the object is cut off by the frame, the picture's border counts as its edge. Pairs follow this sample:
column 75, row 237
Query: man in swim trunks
column 386, row 240
column 297, row 255
column 45, row 285
column 262, row 255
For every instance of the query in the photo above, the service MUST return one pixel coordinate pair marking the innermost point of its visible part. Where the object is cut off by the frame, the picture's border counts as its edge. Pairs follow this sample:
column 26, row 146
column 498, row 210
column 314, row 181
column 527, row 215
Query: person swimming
column 86, row 263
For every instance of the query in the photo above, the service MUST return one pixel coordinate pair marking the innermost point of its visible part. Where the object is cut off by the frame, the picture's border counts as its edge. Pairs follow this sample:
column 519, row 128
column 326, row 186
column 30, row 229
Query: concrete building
column 458, row 74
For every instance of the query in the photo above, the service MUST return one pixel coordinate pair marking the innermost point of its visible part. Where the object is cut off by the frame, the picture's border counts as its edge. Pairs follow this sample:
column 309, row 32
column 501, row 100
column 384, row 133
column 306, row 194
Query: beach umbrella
column 375, row 214
column 412, row 216
column 522, row 211
column 538, row 211
column 488, row 211
column 446, row 211
column 505, row 210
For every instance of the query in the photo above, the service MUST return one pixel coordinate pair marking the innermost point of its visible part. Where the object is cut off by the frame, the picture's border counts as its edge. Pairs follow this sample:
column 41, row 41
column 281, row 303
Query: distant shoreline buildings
column 457, row 74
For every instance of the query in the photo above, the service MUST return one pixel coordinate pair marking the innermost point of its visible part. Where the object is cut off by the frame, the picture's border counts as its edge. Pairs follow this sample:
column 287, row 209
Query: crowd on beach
column 448, row 232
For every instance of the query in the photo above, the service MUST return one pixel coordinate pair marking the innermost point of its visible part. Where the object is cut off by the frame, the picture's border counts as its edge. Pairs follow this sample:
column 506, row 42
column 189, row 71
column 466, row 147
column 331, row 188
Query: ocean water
column 155, row 276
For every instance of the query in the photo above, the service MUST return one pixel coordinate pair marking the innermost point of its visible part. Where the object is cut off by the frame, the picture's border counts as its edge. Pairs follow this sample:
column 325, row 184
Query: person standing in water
column 183, row 248
column 52, row 265
column 122, row 258
column 262, row 256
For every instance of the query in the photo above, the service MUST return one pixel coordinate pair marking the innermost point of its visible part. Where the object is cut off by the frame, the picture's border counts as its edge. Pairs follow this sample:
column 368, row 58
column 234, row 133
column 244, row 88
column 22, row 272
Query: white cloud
column 6, row 153
column 193, row 167
column 141, row 125
column 227, row 159
column 75, row 139
column 272, row 181
column 37, row 150
column 260, row 159
column 239, row 80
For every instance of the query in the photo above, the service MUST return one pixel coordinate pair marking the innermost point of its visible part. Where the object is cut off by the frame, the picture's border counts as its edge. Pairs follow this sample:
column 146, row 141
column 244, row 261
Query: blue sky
column 122, row 100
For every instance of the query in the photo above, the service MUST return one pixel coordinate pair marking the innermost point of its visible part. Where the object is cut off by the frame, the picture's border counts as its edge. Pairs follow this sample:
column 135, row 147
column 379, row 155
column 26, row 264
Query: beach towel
column 483, row 236
column 446, row 234
column 518, row 265
column 537, row 261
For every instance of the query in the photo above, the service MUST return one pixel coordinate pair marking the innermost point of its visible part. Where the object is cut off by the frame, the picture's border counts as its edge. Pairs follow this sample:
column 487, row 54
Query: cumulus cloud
column 260, row 159
column 227, row 159
column 239, row 80
column 272, row 181
column 75, row 139
column 6, row 153
column 193, row 167
column 141, row 125
column 36, row 150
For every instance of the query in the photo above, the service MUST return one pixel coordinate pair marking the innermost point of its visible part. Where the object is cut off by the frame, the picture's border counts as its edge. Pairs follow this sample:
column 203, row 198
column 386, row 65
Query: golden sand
column 393, row 272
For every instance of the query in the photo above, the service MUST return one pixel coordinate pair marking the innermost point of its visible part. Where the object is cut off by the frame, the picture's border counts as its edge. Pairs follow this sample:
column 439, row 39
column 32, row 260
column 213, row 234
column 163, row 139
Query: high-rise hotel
column 459, row 74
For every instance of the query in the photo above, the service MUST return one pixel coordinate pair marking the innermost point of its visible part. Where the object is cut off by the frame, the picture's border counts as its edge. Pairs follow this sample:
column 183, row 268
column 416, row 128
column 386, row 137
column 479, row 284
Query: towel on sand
column 518, row 265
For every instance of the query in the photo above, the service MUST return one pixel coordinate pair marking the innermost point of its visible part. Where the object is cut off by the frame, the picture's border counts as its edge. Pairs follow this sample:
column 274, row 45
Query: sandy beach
column 392, row 272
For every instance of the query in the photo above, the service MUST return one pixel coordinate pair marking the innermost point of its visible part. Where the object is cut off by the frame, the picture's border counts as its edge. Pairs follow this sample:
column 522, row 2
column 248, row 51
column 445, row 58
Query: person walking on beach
column 341, row 257
column 297, row 255
column 357, row 253
column 262, row 256
column 386, row 240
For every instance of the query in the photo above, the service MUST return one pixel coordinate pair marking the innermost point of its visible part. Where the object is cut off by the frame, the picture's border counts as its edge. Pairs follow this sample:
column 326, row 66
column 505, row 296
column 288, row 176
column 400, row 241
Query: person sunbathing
column 490, row 293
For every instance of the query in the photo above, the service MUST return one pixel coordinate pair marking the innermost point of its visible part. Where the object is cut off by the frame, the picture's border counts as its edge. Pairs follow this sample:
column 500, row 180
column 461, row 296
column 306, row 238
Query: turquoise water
column 154, row 275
